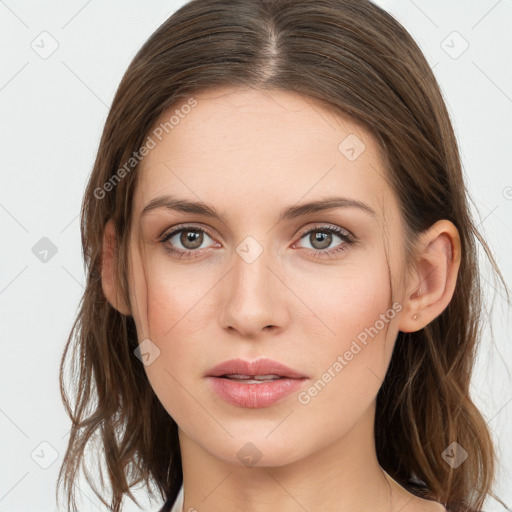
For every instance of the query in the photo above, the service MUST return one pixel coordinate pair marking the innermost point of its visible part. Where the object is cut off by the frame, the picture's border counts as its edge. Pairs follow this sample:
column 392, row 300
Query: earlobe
column 432, row 284
column 108, row 269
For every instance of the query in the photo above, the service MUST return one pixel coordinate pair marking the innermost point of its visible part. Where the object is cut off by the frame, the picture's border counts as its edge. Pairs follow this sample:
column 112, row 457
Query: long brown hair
column 355, row 59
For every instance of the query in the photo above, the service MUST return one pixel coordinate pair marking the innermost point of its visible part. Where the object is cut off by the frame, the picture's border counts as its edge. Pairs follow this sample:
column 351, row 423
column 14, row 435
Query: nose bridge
column 251, row 275
column 252, row 299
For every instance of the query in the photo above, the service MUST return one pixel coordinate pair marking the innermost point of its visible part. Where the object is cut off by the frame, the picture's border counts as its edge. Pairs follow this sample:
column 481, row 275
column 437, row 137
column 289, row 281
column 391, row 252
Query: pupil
column 191, row 239
column 324, row 239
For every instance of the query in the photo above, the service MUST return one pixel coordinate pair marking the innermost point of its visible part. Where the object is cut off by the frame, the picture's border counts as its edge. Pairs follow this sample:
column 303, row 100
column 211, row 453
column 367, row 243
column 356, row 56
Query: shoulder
column 423, row 505
column 407, row 501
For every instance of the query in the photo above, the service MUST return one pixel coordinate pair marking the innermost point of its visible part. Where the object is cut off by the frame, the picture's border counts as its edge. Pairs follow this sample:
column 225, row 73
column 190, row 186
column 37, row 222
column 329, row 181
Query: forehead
column 246, row 148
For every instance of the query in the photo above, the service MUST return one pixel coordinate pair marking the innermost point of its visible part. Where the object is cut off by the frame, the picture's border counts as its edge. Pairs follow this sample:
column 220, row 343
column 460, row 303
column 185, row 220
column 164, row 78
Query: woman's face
column 256, row 274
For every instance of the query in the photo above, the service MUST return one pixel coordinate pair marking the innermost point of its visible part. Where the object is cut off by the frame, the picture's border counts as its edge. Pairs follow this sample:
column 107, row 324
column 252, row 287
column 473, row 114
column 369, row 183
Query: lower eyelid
column 346, row 238
column 165, row 238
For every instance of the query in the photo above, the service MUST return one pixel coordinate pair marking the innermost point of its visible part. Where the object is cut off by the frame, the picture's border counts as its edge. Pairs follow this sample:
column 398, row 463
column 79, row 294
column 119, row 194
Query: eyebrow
column 169, row 202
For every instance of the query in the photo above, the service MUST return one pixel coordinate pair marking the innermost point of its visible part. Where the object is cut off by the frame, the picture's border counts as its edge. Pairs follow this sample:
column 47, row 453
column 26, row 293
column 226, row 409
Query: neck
column 341, row 475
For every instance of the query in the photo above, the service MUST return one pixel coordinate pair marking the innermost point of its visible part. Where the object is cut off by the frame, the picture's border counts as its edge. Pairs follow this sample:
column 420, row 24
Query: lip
column 259, row 367
column 254, row 395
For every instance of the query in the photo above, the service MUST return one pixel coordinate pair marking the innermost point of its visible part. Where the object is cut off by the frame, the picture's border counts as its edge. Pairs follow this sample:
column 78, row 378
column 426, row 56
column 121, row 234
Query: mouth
column 256, row 384
column 252, row 379
column 259, row 370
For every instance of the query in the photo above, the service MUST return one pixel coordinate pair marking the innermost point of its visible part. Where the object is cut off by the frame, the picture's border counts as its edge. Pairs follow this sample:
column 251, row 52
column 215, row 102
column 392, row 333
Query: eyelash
column 348, row 239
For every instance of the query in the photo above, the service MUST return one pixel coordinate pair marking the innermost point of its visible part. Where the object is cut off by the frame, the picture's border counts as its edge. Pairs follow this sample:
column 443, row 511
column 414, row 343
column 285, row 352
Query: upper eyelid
column 168, row 232
column 317, row 227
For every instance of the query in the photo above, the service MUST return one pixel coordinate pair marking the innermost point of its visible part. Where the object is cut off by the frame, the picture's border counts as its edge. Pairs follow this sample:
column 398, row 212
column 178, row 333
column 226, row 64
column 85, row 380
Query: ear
column 432, row 282
column 109, row 282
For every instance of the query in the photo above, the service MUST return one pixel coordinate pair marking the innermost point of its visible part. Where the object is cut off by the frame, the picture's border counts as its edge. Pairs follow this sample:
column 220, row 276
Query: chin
column 255, row 447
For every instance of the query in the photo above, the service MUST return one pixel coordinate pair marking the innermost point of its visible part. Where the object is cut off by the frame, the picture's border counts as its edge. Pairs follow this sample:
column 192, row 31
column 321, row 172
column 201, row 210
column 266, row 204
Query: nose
column 254, row 299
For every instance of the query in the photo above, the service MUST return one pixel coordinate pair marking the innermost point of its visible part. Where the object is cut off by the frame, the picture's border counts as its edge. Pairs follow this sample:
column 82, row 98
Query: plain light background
column 52, row 111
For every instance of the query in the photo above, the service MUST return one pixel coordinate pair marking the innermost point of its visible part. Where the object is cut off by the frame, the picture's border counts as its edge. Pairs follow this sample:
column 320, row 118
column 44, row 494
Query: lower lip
column 254, row 395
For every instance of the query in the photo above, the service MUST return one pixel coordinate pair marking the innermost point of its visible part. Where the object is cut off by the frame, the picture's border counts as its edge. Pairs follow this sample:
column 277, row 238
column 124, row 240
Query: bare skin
column 251, row 154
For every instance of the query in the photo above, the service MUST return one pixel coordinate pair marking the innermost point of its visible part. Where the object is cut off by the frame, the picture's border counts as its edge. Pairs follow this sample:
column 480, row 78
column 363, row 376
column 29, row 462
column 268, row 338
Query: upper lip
column 259, row 367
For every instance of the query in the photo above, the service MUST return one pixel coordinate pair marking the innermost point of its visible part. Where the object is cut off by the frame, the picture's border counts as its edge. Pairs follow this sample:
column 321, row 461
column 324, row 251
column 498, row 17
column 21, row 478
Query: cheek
column 352, row 360
column 354, row 301
column 178, row 321
column 177, row 298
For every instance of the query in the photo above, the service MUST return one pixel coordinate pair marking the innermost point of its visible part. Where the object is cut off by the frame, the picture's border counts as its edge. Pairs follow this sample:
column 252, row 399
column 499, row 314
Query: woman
column 282, row 302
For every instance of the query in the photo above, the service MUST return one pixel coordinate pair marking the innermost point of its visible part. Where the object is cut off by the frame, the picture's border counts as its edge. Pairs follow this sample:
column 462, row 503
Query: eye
column 185, row 240
column 321, row 238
